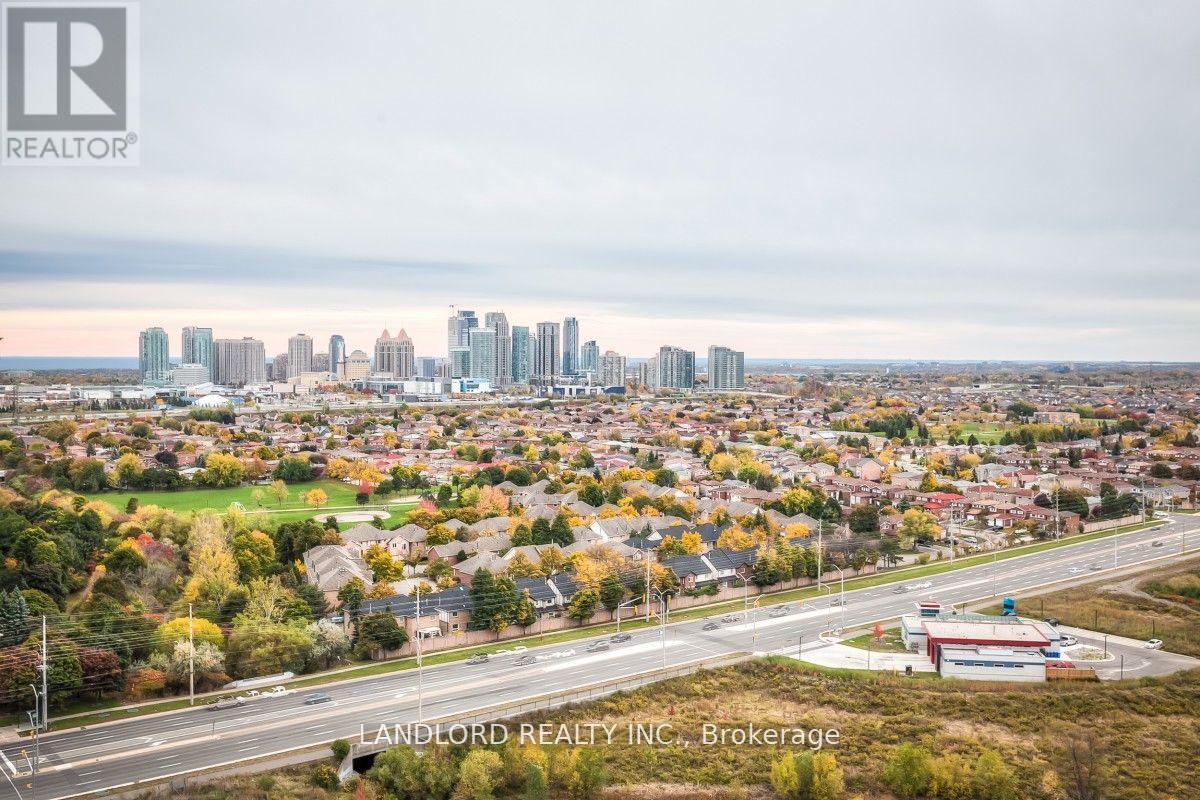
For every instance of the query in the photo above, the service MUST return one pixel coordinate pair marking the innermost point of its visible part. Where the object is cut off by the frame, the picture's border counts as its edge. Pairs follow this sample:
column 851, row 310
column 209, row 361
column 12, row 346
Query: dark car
column 617, row 638
column 597, row 647
column 1052, row 621
column 524, row 660
column 711, row 626
column 479, row 658
column 315, row 698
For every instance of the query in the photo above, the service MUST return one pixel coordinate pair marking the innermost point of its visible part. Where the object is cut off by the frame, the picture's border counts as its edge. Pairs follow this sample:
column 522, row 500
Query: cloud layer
column 983, row 180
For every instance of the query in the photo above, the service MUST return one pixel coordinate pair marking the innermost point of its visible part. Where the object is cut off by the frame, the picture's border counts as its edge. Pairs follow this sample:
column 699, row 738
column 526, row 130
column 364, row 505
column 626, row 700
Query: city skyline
column 808, row 186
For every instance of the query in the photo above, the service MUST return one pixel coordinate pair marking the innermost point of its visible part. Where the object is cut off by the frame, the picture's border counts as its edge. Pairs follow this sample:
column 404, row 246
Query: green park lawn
column 985, row 432
column 185, row 500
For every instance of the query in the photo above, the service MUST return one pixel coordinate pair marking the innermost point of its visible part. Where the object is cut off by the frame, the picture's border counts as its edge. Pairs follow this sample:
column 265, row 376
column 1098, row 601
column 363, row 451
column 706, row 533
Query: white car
column 1068, row 641
column 277, row 691
column 1076, row 570
column 1154, row 644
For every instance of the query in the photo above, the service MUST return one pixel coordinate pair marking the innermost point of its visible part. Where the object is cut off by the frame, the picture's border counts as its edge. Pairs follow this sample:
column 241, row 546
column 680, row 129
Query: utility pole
column 191, row 660
column 1057, row 492
column 647, row 587
column 820, row 549
column 420, row 675
column 45, row 715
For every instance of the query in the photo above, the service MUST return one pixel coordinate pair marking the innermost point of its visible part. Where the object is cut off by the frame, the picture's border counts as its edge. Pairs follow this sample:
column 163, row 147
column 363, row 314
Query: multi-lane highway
column 121, row 753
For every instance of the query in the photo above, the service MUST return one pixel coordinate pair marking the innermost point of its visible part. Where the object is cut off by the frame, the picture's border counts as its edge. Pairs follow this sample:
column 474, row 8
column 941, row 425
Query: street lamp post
column 842, row 599
column 35, row 719
column 631, row 602
column 664, row 601
column 828, row 608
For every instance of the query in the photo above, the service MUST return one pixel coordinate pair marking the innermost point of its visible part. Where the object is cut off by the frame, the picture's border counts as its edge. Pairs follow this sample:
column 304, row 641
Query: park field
column 341, row 495
column 985, row 432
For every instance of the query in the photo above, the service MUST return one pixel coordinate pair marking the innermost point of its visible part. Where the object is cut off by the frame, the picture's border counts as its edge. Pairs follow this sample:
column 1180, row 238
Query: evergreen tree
column 14, row 618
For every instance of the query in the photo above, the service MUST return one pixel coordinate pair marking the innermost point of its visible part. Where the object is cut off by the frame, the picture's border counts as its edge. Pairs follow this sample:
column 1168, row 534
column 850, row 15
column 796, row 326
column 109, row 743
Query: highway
column 119, row 753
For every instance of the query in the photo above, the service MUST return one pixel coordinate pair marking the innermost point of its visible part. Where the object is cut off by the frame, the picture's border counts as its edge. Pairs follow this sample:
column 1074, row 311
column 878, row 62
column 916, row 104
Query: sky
column 958, row 180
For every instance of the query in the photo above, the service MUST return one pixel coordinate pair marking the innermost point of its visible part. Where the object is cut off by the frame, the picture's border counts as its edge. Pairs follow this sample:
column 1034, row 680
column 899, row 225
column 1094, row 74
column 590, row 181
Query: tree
column 992, row 779
column 795, row 501
column 734, row 538
column 611, row 592
column 397, row 770
column 864, row 519
column 294, row 469
column 477, row 775
column 950, row 777
column 125, row 559
column 254, row 552
column 379, row 632
column 889, row 549
column 14, row 618
column 221, row 470
column 535, row 782
column 87, row 475
column 583, row 605
column 592, row 494
column 784, row 779
column 917, row 524
column 560, row 532
column 169, row 634
column 315, row 498
column 525, row 614
column 907, row 772
column 279, row 491
column 351, row 596
column 213, row 567
column 266, row 648
column 828, row 779
column 126, row 471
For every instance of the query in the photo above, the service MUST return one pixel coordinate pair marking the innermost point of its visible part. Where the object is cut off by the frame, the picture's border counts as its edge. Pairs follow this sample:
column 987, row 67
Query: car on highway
column 524, row 660
column 478, row 658
column 1075, row 570
column 1156, row 543
column 277, row 691
column 837, row 601
column 597, row 647
column 779, row 611
column 225, row 702
column 728, row 618
column 900, row 590
column 316, row 698
column 710, row 626
column 1154, row 644
column 1094, row 566
column 618, row 638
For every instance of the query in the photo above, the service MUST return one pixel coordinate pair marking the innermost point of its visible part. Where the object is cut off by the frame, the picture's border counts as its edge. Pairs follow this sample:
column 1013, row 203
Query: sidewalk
column 840, row 656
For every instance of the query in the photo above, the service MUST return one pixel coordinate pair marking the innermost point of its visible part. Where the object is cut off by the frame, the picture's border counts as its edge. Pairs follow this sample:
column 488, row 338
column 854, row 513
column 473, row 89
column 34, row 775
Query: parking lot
column 1128, row 658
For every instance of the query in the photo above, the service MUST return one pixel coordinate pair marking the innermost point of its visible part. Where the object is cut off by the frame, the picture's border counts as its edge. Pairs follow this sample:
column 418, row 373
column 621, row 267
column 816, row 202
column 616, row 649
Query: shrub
column 907, row 772
column 341, row 748
column 325, row 777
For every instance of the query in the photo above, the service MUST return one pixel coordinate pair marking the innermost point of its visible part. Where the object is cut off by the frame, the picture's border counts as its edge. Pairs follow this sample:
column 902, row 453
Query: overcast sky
column 804, row 179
